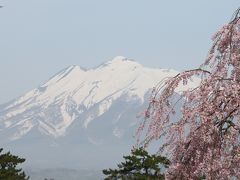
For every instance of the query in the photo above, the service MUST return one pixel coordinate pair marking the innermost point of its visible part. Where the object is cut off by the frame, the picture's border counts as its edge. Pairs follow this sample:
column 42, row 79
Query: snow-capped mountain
column 55, row 105
column 78, row 110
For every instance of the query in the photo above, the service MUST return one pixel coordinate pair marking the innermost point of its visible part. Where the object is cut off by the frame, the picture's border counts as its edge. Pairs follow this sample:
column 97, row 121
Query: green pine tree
column 139, row 165
column 8, row 167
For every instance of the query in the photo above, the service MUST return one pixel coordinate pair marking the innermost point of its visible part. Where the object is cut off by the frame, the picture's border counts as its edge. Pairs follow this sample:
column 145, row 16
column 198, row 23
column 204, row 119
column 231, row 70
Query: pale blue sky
column 40, row 37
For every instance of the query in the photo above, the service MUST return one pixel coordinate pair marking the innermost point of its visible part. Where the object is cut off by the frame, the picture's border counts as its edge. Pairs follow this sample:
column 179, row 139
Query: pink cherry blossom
column 204, row 140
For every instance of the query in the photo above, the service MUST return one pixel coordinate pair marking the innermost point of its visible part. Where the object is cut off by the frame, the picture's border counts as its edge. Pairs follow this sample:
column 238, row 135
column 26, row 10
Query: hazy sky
column 40, row 37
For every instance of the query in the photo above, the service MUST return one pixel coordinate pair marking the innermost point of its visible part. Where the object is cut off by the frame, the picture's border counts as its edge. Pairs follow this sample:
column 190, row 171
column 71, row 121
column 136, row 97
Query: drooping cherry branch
column 203, row 139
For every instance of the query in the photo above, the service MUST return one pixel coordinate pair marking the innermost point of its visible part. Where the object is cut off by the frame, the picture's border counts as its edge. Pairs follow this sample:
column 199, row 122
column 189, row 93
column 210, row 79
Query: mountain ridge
column 74, row 90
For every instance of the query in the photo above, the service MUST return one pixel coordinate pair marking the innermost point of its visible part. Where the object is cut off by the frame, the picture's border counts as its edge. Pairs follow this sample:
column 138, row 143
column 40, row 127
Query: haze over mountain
column 80, row 118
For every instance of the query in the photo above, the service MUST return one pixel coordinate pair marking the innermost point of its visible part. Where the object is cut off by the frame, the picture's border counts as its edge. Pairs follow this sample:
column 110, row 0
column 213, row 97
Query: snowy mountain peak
column 119, row 59
column 66, row 74
column 75, row 67
column 75, row 93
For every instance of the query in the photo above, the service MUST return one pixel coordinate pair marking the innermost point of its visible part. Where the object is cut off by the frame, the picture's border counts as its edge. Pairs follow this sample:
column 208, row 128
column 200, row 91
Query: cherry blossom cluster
column 203, row 140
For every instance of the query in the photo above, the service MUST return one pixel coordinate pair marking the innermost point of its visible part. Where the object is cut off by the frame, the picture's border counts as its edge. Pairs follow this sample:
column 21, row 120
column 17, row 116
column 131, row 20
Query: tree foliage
column 139, row 165
column 205, row 140
column 8, row 167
